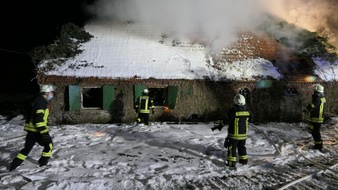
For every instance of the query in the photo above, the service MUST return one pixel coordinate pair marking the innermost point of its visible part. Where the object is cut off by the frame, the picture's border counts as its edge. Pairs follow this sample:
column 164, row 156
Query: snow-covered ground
column 160, row 156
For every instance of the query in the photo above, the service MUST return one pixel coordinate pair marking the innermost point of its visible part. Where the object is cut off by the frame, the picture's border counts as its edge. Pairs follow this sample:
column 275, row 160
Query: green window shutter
column 74, row 98
column 172, row 96
column 108, row 96
column 138, row 89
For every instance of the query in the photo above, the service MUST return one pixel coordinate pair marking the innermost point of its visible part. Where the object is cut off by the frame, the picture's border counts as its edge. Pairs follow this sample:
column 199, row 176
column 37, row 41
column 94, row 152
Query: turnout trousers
column 314, row 129
column 233, row 146
column 143, row 118
column 32, row 138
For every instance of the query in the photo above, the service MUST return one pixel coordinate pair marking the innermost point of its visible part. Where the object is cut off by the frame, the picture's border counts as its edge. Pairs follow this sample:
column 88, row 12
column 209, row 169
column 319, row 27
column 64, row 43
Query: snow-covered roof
column 326, row 70
column 132, row 50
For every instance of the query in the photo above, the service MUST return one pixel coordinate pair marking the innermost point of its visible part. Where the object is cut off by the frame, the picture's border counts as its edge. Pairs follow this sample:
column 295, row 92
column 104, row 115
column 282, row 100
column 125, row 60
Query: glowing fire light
column 99, row 134
column 310, row 79
column 166, row 109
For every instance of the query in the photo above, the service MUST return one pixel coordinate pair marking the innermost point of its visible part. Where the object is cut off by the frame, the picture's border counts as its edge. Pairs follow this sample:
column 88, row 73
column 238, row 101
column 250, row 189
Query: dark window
column 99, row 97
column 246, row 93
column 158, row 95
column 92, row 97
column 291, row 92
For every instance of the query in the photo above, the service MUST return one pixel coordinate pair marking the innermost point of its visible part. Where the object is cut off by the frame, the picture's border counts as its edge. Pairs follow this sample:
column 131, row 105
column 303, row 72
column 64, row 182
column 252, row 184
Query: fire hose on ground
column 267, row 137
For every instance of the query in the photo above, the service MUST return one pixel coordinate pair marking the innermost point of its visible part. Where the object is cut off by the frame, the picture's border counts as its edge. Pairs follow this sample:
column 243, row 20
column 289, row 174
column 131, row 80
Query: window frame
column 74, row 97
column 99, row 95
column 247, row 94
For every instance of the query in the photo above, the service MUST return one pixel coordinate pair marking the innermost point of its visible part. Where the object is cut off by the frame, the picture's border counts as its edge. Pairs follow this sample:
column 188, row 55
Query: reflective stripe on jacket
column 38, row 117
column 316, row 109
column 239, row 118
column 144, row 104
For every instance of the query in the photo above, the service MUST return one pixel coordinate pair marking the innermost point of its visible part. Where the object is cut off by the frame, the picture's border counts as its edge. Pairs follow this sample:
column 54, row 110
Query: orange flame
column 166, row 109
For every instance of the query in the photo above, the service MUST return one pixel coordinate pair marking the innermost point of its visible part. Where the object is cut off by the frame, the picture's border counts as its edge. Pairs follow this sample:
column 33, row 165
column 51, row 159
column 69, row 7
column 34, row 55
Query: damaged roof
column 132, row 50
column 125, row 50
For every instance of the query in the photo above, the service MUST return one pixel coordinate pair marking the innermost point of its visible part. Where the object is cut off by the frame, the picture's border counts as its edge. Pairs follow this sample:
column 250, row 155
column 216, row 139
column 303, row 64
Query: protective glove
column 309, row 108
column 219, row 127
column 42, row 129
column 309, row 128
column 213, row 128
column 226, row 142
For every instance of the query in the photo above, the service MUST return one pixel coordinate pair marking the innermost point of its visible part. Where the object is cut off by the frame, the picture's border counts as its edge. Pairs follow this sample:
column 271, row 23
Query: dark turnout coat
column 316, row 108
column 238, row 119
column 37, row 116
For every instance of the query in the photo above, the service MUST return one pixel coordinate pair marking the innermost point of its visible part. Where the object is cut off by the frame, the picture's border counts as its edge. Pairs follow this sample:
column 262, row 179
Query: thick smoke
column 313, row 15
column 217, row 22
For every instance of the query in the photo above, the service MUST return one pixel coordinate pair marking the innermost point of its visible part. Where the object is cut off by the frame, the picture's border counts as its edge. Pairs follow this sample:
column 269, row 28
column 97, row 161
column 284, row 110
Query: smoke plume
column 313, row 15
column 218, row 22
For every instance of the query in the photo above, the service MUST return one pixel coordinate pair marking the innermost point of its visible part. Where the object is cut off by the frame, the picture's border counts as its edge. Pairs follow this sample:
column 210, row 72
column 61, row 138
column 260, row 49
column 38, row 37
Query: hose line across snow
column 324, row 168
column 267, row 137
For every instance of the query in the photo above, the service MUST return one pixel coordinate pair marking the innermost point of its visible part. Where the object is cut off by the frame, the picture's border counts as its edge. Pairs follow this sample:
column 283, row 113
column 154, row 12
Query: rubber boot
column 43, row 161
column 244, row 162
column 15, row 163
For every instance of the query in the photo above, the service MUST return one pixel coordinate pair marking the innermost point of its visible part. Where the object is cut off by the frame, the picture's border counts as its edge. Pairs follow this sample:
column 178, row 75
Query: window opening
column 158, row 96
column 291, row 92
column 92, row 97
column 246, row 93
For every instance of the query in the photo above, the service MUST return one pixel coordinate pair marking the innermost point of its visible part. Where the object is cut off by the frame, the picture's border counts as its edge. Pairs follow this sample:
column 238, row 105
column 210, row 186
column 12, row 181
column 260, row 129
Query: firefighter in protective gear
column 144, row 104
column 238, row 118
column 315, row 111
column 36, row 126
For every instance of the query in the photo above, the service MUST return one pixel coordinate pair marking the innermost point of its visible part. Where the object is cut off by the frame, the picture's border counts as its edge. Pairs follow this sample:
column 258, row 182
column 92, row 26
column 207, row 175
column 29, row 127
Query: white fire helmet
column 47, row 88
column 145, row 91
column 239, row 99
column 319, row 88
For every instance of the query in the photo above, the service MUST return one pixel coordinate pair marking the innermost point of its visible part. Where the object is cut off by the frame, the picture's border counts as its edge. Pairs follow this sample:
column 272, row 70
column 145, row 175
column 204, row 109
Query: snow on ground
column 160, row 156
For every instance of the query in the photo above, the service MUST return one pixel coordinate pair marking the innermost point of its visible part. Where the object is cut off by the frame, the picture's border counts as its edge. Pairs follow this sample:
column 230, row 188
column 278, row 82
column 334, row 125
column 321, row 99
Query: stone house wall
column 201, row 100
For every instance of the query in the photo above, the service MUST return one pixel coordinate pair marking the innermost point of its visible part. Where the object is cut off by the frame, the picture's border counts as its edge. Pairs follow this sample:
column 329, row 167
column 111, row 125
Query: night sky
column 28, row 24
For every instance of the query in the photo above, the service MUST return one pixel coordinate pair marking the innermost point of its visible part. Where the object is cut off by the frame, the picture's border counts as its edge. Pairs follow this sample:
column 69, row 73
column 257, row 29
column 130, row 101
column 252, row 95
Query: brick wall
column 249, row 46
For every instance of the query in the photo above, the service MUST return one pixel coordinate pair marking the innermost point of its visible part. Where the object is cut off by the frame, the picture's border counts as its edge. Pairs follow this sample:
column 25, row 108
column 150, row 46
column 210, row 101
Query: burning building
column 187, row 81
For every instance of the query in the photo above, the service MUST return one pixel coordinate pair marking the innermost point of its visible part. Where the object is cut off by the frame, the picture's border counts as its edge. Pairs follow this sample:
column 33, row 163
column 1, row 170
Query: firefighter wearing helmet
column 239, row 100
column 315, row 111
column 238, row 118
column 144, row 104
column 37, row 129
